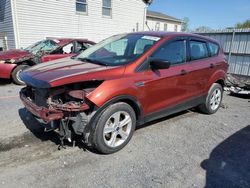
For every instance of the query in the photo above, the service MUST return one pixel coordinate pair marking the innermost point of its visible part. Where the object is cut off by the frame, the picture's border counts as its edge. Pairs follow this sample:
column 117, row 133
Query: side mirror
column 159, row 64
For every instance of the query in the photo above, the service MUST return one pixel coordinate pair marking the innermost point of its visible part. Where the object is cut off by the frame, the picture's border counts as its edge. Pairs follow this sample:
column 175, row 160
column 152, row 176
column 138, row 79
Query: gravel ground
column 188, row 149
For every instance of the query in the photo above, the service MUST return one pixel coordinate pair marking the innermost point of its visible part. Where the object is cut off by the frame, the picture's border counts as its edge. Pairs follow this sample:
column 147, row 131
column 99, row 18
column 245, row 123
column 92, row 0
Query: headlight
column 2, row 61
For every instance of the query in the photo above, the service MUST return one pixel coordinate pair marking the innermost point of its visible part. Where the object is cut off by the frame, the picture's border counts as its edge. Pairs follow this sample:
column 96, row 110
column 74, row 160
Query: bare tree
column 185, row 24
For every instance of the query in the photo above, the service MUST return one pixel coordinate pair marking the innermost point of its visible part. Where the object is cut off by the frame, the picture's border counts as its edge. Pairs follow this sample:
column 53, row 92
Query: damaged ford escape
column 126, row 80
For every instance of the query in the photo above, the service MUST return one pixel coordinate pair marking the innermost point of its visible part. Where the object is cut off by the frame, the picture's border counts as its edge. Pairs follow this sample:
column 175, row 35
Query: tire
column 16, row 74
column 213, row 100
column 118, row 133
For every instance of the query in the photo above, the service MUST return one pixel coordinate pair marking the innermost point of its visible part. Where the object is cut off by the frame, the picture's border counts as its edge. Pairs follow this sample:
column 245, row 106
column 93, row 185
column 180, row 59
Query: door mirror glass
column 159, row 64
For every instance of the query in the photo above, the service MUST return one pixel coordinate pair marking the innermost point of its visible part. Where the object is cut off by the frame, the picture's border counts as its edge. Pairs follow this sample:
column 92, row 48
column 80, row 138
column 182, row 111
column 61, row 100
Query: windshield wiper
column 93, row 61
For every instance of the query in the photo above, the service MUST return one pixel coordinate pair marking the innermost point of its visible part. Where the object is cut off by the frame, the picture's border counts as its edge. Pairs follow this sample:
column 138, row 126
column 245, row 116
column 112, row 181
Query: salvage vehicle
column 127, row 80
column 238, row 84
column 13, row 62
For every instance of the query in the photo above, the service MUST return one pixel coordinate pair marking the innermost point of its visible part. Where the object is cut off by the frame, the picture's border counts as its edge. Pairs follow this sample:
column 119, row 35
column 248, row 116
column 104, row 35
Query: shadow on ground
column 37, row 129
column 5, row 81
column 243, row 96
column 229, row 163
column 173, row 117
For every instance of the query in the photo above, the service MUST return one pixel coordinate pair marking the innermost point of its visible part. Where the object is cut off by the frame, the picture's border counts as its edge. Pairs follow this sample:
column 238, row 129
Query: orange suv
column 124, row 81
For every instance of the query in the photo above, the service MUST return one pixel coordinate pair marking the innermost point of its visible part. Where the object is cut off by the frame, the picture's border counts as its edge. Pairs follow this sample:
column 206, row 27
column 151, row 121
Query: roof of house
column 159, row 15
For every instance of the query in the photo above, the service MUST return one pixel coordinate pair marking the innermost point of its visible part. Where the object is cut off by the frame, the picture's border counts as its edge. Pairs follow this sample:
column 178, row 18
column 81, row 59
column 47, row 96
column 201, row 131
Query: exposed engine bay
column 65, row 109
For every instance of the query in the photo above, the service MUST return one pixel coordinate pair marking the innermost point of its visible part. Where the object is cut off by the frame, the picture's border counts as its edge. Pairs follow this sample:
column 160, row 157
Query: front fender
column 112, row 89
column 6, row 70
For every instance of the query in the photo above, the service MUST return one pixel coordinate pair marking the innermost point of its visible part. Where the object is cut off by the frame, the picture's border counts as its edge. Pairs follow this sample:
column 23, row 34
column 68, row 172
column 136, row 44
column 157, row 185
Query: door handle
column 212, row 65
column 184, row 72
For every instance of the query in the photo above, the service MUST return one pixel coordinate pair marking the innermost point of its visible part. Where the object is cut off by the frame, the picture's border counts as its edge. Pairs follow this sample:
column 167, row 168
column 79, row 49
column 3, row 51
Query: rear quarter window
column 198, row 50
column 214, row 48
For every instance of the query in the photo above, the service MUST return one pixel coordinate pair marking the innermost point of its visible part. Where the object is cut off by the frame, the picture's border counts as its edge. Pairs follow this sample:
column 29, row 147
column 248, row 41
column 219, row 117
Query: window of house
column 137, row 26
column 106, row 8
column 81, row 6
column 165, row 27
column 173, row 52
column 198, row 50
column 214, row 48
column 157, row 26
column 175, row 27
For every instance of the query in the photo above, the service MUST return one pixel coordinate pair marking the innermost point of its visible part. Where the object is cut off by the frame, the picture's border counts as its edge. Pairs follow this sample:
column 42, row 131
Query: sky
column 216, row 14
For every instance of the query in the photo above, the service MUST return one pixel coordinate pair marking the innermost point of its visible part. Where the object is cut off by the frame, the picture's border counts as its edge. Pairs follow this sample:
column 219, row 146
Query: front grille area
column 41, row 96
column 38, row 96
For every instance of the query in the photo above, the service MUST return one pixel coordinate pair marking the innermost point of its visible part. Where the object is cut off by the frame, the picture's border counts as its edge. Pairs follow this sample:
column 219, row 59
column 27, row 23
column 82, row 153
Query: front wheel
column 114, row 128
column 213, row 100
column 16, row 74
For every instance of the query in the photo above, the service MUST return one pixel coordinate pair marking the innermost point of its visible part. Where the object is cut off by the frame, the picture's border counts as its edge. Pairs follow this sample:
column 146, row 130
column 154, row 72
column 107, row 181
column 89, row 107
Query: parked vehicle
column 13, row 62
column 124, row 81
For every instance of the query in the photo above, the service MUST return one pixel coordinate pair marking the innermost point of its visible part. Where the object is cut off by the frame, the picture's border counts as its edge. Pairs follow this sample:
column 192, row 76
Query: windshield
column 119, row 49
column 44, row 45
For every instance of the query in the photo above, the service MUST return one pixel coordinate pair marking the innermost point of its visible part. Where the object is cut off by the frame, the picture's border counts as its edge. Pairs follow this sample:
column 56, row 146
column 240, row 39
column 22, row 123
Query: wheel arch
column 221, row 82
column 217, row 77
column 130, row 100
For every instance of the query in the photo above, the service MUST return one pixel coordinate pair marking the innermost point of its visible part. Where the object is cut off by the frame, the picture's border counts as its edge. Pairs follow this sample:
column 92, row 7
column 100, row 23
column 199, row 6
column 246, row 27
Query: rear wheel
column 114, row 128
column 16, row 74
column 213, row 100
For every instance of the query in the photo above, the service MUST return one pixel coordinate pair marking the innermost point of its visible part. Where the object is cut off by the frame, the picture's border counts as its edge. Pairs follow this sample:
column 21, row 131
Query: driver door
column 165, row 88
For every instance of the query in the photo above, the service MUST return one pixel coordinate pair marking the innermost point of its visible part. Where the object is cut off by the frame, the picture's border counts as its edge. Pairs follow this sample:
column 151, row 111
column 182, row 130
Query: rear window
column 198, row 50
column 214, row 48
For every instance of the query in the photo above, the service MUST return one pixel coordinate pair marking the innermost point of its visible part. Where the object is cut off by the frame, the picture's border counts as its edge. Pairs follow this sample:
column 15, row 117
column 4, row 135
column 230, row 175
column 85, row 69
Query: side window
column 214, row 48
column 175, row 28
column 81, row 6
column 68, row 49
column 174, row 52
column 157, row 26
column 80, row 46
column 106, row 8
column 198, row 50
column 142, row 45
column 165, row 27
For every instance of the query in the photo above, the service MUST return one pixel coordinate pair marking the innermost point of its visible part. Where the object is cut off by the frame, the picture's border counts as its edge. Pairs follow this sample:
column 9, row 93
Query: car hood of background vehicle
column 66, row 71
column 14, row 54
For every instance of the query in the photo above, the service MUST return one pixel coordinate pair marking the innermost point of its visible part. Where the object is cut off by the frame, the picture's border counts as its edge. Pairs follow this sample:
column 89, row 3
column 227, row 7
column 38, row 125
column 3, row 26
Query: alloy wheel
column 117, row 129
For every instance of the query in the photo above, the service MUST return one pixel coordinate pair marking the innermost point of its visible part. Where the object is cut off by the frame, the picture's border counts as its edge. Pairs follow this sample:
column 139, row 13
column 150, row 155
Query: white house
column 157, row 21
column 23, row 22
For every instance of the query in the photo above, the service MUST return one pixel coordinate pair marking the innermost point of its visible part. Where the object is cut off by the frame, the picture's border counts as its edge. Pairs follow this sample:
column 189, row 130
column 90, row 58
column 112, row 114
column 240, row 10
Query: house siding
column 151, row 22
column 6, row 26
column 38, row 19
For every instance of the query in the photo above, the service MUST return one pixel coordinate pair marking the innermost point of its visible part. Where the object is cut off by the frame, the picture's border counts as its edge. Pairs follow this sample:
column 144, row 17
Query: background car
column 13, row 62
column 124, row 81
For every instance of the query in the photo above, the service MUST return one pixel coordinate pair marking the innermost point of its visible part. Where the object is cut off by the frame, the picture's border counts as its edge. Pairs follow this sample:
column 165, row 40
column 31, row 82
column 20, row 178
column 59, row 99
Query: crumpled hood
column 66, row 71
column 14, row 54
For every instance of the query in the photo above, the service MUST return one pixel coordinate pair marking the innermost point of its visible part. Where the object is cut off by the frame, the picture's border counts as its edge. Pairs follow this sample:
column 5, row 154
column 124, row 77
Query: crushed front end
column 65, row 109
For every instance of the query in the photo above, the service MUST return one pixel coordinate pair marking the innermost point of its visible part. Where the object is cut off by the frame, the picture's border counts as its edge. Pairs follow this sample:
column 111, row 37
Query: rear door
column 201, row 66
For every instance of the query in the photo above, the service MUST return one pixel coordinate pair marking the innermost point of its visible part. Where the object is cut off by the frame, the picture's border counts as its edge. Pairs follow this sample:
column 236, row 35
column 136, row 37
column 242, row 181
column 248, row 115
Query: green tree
column 203, row 29
column 185, row 24
column 245, row 24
